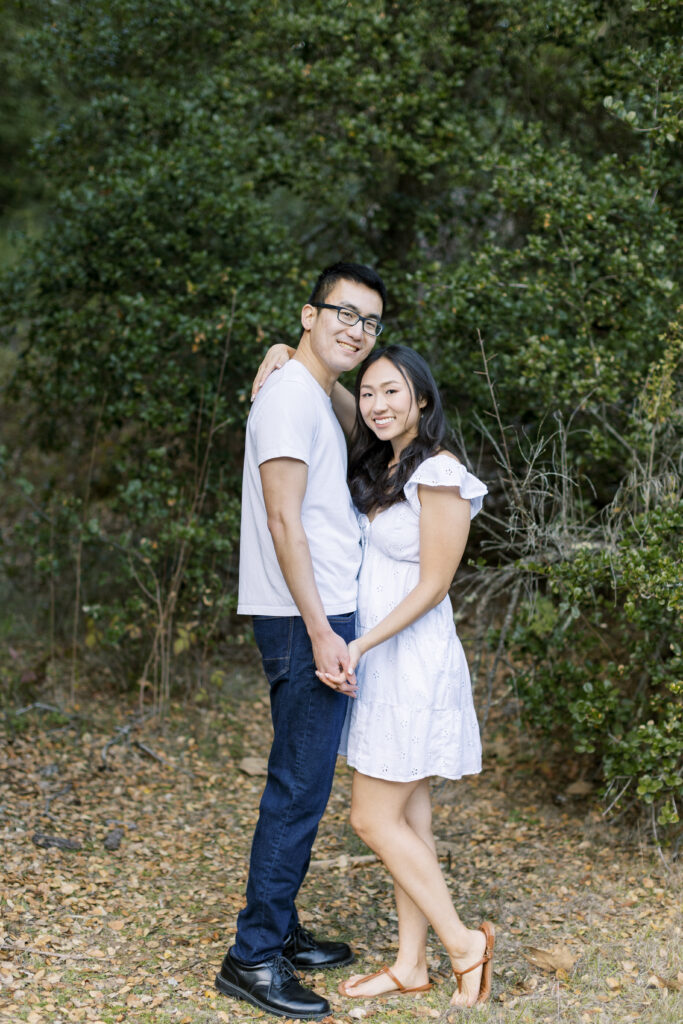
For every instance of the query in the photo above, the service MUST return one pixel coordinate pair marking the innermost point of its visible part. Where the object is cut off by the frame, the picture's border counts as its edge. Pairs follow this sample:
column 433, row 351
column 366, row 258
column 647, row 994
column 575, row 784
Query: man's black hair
column 347, row 272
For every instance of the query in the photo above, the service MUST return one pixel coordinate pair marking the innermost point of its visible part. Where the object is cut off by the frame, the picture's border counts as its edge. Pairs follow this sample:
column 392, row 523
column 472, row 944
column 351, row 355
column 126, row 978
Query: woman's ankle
column 410, row 968
column 463, row 953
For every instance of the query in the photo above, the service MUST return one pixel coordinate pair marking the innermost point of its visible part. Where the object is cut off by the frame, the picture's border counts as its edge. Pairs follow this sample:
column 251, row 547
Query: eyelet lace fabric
column 414, row 715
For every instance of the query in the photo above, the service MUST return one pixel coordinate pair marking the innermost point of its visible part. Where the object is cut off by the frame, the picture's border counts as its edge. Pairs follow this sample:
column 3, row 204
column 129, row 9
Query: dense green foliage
column 510, row 168
column 22, row 114
column 602, row 648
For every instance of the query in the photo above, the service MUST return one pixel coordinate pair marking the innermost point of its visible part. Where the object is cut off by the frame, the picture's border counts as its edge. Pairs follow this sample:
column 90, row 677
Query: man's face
column 336, row 345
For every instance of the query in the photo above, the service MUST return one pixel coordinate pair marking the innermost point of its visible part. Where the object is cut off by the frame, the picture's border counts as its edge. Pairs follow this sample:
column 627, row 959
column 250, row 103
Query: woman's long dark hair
column 370, row 480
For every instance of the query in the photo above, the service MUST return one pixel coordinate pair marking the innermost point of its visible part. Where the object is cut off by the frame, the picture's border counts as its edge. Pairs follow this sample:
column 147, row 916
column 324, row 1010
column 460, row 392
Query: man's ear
column 308, row 315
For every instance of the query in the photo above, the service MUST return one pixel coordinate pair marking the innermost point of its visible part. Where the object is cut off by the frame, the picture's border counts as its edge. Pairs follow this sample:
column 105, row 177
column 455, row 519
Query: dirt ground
column 131, row 923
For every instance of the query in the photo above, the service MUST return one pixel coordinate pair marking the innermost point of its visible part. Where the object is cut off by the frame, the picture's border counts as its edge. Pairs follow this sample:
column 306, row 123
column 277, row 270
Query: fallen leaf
column 579, row 788
column 557, row 959
column 254, row 765
column 673, row 984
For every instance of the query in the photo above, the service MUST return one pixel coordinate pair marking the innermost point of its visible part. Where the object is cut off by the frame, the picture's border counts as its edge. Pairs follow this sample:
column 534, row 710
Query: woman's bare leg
column 381, row 814
column 410, row 966
column 412, row 924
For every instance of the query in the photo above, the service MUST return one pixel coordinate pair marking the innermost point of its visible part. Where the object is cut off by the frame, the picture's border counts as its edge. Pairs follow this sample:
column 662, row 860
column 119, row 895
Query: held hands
column 344, row 681
column 275, row 358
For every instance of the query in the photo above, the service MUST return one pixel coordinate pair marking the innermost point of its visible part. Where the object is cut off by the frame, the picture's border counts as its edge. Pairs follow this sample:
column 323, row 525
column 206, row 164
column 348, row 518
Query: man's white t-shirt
column 292, row 418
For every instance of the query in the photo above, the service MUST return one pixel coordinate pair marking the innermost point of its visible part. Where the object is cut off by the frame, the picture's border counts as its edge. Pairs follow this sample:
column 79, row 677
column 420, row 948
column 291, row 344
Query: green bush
column 603, row 651
column 599, row 647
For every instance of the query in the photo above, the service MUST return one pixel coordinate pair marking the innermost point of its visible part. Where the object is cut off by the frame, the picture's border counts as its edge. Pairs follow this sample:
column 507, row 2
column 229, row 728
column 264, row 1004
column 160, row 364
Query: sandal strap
column 390, row 973
column 488, row 953
column 383, row 970
column 459, row 974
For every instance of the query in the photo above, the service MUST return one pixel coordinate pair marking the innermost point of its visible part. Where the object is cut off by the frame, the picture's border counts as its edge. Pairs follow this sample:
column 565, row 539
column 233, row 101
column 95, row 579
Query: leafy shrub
column 604, row 656
column 598, row 647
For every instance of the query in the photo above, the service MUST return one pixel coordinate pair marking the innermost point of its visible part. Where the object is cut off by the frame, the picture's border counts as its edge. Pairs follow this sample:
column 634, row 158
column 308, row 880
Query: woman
column 413, row 716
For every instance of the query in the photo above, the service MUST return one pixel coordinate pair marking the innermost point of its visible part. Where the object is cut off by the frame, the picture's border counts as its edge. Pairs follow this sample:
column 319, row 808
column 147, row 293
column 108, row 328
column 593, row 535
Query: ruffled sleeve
column 444, row 471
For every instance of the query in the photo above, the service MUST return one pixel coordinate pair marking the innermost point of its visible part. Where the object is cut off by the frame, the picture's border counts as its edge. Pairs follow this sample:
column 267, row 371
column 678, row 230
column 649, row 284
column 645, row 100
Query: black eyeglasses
column 349, row 317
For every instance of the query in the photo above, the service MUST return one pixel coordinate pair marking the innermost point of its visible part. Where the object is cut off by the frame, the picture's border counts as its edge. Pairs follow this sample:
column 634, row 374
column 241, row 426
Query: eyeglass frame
column 327, row 305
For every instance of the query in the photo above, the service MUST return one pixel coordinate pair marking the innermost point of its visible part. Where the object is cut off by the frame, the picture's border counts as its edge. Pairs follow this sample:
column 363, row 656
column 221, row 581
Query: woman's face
column 388, row 405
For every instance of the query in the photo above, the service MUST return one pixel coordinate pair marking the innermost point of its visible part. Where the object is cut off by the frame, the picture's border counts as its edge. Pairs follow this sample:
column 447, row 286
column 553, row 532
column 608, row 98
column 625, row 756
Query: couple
column 409, row 714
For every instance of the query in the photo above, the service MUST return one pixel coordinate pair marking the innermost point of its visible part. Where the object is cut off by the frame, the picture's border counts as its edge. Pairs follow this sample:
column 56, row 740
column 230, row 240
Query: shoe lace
column 303, row 935
column 284, row 970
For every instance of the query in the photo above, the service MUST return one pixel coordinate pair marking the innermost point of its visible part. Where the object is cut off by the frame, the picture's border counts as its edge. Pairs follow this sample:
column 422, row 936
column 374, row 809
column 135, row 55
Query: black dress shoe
column 273, row 986
column 306, row 953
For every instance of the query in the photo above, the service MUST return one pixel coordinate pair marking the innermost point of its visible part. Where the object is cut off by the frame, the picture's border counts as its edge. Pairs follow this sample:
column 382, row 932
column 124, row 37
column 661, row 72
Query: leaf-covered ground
column 132, row 923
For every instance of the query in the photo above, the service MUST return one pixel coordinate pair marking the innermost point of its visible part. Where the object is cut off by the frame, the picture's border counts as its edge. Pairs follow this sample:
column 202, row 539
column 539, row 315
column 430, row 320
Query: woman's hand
column 354, row 655
column 275, row 358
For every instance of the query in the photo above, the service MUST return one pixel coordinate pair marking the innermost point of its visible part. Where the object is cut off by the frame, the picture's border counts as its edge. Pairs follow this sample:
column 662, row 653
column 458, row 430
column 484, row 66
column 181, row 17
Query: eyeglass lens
column 350, row 318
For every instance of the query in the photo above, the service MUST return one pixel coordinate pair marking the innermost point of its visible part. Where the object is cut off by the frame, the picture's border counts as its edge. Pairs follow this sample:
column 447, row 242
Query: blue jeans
column 307, row 722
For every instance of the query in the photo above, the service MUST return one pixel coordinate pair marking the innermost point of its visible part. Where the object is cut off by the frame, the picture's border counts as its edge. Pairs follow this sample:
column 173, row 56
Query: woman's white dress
column 413, row 716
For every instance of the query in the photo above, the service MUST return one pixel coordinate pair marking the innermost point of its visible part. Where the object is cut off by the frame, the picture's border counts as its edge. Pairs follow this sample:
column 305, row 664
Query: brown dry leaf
column 672, row 984
column 254, row 765
column 613, row 983
column 579, row 788
column 559, row 958
column 118, row 924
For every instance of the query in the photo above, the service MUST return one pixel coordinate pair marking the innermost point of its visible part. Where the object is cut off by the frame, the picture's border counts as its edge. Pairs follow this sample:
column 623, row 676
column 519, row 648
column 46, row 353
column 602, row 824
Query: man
column 299, row 559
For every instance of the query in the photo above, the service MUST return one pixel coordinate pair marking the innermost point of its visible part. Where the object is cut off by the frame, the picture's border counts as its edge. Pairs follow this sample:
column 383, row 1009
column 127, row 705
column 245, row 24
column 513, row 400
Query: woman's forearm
column 425, row 596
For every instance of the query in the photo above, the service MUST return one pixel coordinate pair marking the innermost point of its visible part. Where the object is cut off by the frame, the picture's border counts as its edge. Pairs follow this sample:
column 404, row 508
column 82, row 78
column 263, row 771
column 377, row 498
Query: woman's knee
column 361, row 823
column 369, row 826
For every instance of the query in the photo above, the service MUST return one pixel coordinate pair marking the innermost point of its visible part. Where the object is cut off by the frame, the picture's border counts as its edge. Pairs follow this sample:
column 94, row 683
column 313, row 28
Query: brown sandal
column 487, row 961
column 400, row 989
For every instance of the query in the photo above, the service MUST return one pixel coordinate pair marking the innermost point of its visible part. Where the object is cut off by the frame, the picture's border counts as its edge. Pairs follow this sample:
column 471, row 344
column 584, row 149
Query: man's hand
column 343, row 679
column 334, row 664
column 274, row 359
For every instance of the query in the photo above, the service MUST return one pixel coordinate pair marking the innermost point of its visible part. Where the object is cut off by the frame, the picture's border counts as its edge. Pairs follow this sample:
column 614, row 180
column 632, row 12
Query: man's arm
column 344, row 405
column 284, row 486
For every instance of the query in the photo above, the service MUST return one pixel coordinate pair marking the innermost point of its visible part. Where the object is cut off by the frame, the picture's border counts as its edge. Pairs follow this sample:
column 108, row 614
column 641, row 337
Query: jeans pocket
column 344, row 625
column 273, row 635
